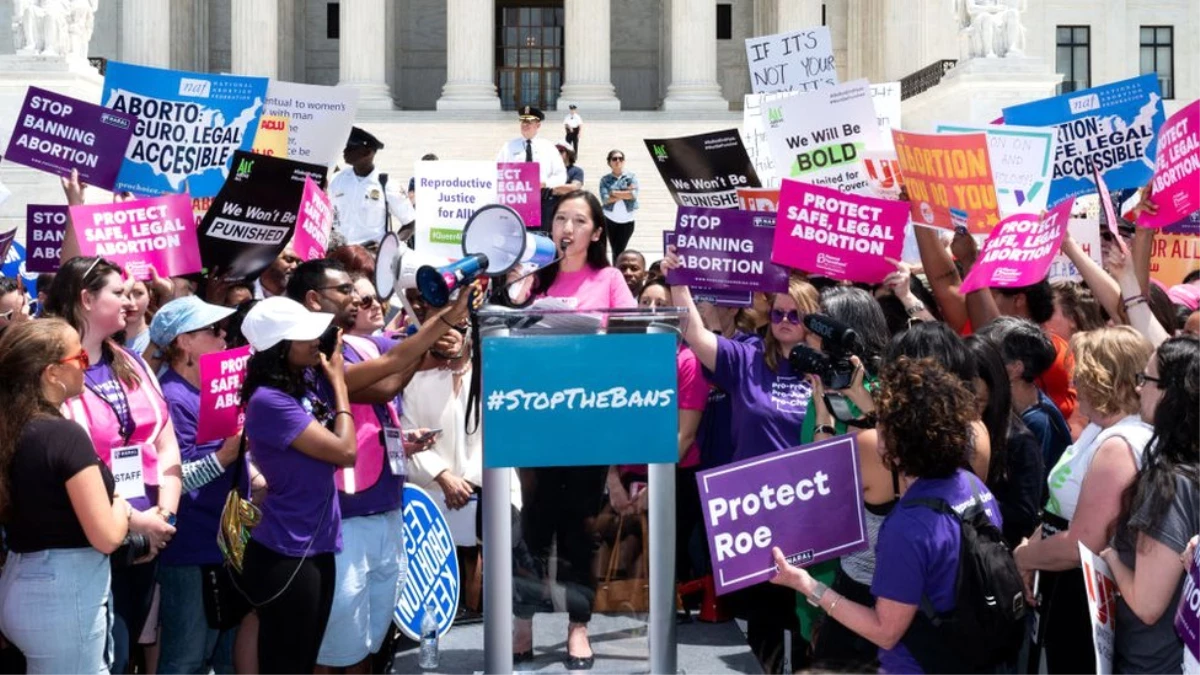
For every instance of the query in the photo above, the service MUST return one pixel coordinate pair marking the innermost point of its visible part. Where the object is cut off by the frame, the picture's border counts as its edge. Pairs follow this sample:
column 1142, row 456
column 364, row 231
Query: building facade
column 610, row 54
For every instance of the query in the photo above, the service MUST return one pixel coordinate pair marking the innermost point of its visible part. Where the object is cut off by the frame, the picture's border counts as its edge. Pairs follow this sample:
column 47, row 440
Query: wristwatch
column 916, row 309
column 818, row 592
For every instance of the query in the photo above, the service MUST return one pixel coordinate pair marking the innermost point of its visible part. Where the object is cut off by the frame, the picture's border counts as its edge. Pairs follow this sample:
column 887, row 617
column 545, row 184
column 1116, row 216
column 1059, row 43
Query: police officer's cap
column 529, row 113
column 362, row 139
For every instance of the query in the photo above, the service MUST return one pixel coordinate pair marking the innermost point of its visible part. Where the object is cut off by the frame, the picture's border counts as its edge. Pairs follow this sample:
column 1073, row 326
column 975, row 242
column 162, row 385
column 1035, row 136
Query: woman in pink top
column 562, row 502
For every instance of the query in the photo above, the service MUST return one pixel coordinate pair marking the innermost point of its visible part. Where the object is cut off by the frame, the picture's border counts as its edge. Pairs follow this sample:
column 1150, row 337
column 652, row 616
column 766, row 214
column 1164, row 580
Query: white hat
column 278, row 318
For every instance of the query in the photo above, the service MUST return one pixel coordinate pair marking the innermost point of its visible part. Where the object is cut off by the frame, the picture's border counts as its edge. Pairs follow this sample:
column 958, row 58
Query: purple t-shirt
column 920, row 547
column 199, row 516
column 715, row 435
column 387, row 493
column 767, row 406
column 301, row 515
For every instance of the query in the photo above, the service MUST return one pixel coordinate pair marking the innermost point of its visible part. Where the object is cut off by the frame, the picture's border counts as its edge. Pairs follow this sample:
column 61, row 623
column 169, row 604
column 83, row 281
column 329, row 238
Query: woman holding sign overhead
column 769, row 401
column 125, row 414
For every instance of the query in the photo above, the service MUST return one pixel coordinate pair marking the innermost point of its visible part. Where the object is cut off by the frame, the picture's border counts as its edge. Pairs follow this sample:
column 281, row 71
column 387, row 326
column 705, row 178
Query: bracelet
column 343, row 412
column 1133, row 301
column 915, row 309
column 442, row 318
column 833, row 604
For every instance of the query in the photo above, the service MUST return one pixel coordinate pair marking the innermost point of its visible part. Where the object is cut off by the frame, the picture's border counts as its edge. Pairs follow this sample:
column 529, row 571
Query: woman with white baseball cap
column 299, row 430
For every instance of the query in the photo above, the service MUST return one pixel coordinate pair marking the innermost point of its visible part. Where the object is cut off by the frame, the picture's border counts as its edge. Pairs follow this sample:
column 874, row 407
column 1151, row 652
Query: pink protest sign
column 221, row 377
column 159, row 231
column 519, row 187
column 1177, row 176
column 1110, row 214
column 839, row 235
column 1019, row 251
column 312, row 225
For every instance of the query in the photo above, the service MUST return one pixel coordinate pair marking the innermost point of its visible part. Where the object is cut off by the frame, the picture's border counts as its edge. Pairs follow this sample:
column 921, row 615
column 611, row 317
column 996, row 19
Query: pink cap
column 1187, row 295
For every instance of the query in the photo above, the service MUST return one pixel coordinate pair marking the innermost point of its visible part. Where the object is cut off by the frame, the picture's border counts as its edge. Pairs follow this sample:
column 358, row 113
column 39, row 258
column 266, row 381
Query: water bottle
column 429, row 638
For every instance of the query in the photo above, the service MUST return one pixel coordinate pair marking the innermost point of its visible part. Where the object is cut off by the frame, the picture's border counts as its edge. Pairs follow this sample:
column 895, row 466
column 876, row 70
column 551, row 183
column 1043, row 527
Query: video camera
column 838, row 342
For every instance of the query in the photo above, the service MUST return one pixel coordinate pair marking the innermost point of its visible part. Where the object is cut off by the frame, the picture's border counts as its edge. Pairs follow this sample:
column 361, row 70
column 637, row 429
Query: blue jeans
column 57, row 609
column 188, row 645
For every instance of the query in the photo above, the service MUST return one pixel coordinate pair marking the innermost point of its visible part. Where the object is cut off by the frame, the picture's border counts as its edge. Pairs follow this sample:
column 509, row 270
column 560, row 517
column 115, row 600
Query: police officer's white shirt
column 573, row 121
column 358, row 203
column 550, row 165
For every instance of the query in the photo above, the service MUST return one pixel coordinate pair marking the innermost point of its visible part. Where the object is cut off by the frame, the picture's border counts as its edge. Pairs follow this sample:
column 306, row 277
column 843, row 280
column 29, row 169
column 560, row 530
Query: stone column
column 586, row 50
column 470, row 56
column 145, row 33
column 694, row 57
column 189, row 36
column 866, row 25
column 254, row 37
column 362, row 50
column 793, row 15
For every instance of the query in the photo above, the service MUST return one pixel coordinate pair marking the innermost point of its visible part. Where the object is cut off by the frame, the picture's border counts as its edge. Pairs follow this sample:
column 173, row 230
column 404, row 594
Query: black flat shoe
column 579, row 662
column 522, row 657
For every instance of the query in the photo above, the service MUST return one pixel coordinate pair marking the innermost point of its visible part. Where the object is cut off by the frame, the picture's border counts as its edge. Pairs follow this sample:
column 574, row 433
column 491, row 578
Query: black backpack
column 987, row 624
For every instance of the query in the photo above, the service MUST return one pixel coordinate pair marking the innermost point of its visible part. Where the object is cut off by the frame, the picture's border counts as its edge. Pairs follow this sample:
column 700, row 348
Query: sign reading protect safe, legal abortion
column 805, row 500
column 1019, row 251
column 726, row 249
column 221, row 377
column 158, row 231
column 571, row 400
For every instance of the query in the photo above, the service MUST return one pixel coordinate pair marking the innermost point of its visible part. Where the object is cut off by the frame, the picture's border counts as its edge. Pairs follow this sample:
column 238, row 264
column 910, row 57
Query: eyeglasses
column 26, row 309
column 81, row 357
column 216, row 329
column 616, row 158
column 1143, row 378
column 368, row 301
column 793, row 317
column 345, row 289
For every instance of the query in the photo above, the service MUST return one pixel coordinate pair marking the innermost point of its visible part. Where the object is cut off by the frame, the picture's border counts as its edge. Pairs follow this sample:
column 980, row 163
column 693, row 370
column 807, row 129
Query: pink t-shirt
column 693, row 395
column 593, row 288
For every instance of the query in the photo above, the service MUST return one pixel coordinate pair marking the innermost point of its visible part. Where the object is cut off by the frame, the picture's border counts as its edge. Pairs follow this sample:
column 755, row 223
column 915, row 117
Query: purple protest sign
column 1019, row 251
column 519, row 187
column 159, row 231
column 45, row 227
column 726, row 249
column 6, row 240
column 1187, row 617
column 56, row 133
column 713, row 296
column 805, row 500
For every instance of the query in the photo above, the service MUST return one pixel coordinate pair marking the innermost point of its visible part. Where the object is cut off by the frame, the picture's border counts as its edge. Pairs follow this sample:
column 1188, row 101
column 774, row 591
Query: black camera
column 134, row 547
column 328, row 341
column 838, row 342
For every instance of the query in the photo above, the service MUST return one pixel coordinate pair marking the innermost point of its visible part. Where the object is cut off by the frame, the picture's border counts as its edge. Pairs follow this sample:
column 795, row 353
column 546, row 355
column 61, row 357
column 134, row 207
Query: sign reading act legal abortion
column 805, row 500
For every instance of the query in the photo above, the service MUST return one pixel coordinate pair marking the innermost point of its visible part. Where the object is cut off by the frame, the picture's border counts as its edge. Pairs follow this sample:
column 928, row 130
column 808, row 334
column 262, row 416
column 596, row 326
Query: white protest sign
column 886, row 98
column 1086, row 233
column 798, row 61
column 1102, row 607
column 754, row 135
column 447, row 194
column 819, row 137
column 319, row 118
column 1022, row 164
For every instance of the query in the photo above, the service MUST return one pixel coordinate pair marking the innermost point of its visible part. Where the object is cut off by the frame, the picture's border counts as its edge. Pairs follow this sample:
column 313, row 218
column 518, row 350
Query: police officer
column 529, row 148
column 364, row 201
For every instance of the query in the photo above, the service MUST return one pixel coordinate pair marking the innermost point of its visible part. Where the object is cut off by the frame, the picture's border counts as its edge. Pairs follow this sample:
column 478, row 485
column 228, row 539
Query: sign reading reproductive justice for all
column 159, row 231
column 221, row 377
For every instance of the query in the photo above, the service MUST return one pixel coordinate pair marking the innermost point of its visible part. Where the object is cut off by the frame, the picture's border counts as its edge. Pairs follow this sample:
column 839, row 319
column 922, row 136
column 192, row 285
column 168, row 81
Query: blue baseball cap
column 184, row 315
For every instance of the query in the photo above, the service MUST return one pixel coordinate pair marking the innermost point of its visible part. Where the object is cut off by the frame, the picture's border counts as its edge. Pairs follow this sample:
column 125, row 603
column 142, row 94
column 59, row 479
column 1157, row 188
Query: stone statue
column 990, row 28
column 82, row 23
column 53, row 27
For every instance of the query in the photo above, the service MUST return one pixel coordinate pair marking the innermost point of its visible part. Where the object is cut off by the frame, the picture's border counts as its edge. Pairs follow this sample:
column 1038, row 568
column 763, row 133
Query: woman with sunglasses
column 123, row 410
column 369, row 320
column 188, row 329
column 58, row 506
column 618, row 193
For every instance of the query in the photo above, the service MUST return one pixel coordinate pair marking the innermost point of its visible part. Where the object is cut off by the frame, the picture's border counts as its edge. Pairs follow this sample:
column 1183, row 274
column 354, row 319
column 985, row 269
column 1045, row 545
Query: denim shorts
column 57, row 609
column 370, row 576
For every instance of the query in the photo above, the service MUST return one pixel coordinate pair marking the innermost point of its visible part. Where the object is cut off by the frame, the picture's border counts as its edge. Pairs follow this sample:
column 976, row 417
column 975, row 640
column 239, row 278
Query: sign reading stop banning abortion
column 158, row 231
column 805, row 500
column 45, row 227
column 1019, row 251
column 518, row 187
column 221, row 377
column 726, row 249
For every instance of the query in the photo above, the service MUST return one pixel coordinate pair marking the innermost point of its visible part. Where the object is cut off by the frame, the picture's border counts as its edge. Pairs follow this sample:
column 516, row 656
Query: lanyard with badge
column 393, row 441
column 125, row 458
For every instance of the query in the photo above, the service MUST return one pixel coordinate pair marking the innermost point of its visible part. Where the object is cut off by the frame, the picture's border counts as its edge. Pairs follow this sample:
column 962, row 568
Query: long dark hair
column 270, row 368
column 997, row 414
column 597, row 252
column 1174, row 449
column 857, row 309
column 25, row 351
column 63, row 300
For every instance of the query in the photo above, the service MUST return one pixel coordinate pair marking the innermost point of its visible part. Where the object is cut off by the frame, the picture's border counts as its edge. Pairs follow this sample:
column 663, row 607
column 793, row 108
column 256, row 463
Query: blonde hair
column 1107, row 363
column 808, row 301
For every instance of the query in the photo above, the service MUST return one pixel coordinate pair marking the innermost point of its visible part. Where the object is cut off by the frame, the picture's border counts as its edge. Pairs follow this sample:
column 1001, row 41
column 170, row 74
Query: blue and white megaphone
column 396, row 266
column 435, row 284
column 498, row 233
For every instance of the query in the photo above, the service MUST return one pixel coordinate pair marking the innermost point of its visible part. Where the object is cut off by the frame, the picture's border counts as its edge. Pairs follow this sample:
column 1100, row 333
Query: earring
column 189, row 361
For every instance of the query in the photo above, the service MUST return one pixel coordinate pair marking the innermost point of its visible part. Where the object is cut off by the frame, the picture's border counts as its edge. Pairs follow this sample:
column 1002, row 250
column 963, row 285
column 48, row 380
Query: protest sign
column 221, row 376
column 712, row 296
column 703, row 170
column 45, row 227
column 754, row 135
column 158, row 231
column 838, row 235
column 949, row 180
column 819, row 137
column 1086, row 233
column 188, row 126
column 447, row 194
column 1176, row 251
column 254, row 215
column 432, row 566
column 6, row 241
column 1019, row 251
column 1187, row 616
column 805, row 500
column 884, row 179
column 272, row 136
column 538, row 388
column 313, row 222
column 801, row 60
column 1177, row 174
column 318, row 118
column 1110, row 129
column 519, row 187
column 886, row 99
column 758, row 199
column 726, row 249
column 1022, row 160
column 1102, row 606
column 56, row 133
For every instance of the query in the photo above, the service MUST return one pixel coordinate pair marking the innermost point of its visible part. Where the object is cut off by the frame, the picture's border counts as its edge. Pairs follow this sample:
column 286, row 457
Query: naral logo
column 774, row 116
column 660, row 152
column 243, row 169
column 114, row 121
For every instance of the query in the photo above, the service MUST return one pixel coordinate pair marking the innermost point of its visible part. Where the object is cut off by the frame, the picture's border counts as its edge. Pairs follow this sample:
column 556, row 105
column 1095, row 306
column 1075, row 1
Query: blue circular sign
column 432, row 566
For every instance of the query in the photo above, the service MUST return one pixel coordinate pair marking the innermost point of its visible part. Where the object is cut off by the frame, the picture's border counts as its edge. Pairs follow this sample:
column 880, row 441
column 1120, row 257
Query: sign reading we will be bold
column 540, row 391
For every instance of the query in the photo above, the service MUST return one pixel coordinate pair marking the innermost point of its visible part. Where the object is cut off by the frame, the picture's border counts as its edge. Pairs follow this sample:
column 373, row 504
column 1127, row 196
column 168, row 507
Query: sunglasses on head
column 793, row 317
column 81, row 357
